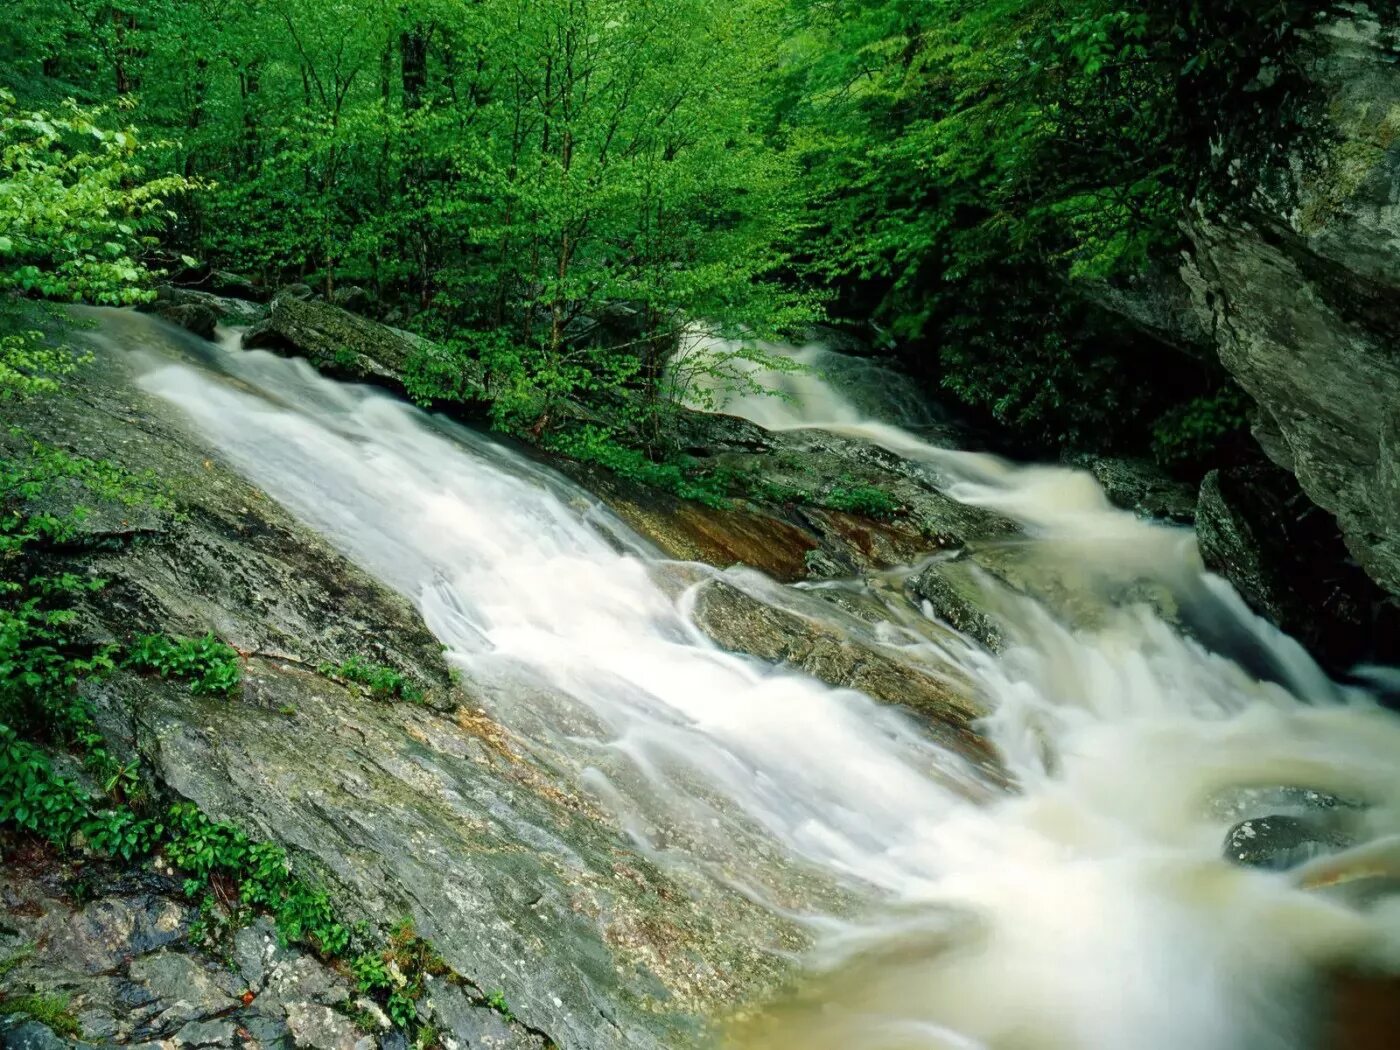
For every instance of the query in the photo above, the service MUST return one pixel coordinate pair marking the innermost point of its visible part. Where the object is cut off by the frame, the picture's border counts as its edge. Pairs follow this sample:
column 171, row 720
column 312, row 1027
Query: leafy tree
column 76, row 211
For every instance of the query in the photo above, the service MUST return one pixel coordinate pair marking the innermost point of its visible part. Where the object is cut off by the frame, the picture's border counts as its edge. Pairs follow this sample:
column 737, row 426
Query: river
column 1087, row 907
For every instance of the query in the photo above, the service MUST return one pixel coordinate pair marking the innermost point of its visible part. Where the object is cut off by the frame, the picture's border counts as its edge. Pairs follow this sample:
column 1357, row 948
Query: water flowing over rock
column 434, row 812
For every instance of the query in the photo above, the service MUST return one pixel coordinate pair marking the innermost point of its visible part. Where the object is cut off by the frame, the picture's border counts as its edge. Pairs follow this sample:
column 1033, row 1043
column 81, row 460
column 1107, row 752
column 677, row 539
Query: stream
column 1088, row 907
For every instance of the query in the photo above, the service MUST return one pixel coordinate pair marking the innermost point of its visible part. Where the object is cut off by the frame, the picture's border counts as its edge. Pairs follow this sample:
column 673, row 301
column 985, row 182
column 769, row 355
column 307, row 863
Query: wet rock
column 338, row 342
column 1280, row 842
column 227, row 309
column 741, row 623
column 299, row 292
column 780, row 527
column 321, row 1028
column 264, row 1029
column 399, row 810
column 1141, row 486
column 294, row 975
column 196, row 317
column 108, row 931
column 1239, row 803
column 254, row 948
column 1286, row 557
column 955, row 598
column 29, row 1035
column 468, row 1024
column 352, row 298
column 184, row 990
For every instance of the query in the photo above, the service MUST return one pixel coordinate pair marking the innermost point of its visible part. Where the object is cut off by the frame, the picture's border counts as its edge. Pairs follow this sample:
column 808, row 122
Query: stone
column 1141, row 486
column 301, row 977
column 253, row 948
column 341, row 343
column 109, row 931
column 185, row 991
column 740, row 622
column 955, row 599
column 1288, row 560
column 397, row 809
column 196, row 317
column 29, row 1035
column 264, row 1029
column 205, row 1033
column 227, row 309
column 321, row 1028
column 1280, row 842
column 352, row 298
column 1300, row 288
column 468, row 1024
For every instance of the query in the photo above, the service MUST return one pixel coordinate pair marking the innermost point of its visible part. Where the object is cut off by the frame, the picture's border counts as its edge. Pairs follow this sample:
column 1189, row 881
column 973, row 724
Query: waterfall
column 1088, row 907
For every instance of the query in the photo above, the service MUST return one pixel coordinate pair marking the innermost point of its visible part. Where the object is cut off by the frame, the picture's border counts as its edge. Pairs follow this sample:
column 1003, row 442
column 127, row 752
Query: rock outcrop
column 1301, row 288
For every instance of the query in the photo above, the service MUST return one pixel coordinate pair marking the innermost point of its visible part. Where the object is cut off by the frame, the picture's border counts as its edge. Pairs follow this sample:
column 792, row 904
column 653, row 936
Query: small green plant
column 383, row 682
column 401, row 970
column 210, row 666
column 861, row 499
column 497, row 1001
column 51, row 1010
column 10, row 962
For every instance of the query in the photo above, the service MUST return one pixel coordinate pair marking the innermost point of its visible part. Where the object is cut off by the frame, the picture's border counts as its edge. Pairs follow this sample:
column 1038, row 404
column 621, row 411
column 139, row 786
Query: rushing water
column 1090, row 909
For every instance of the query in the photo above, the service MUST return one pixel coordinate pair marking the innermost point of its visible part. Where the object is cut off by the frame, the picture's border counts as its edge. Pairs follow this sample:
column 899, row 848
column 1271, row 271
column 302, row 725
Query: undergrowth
column 382, row 681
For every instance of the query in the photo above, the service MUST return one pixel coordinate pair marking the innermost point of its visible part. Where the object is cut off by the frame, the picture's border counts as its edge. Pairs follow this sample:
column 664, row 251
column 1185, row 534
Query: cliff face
column 1301, row 289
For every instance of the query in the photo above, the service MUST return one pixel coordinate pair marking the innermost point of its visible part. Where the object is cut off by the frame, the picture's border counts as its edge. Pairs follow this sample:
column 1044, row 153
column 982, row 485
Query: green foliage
column 210, row 666
column 602, row 447
column 9, row 963
column 861, row 499
column 77, row 210
column 1191, row 434
column 978, row 167
column 50, row 1010
column 400, row 970
column 383, row 682
column 204, row 849
column 497, row 1001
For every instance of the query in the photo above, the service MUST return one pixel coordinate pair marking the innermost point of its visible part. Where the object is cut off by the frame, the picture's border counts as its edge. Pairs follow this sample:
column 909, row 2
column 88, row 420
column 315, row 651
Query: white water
column 1090, row 911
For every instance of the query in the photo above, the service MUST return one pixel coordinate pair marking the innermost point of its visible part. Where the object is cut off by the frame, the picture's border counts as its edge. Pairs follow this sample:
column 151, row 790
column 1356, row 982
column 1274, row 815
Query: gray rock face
column 1301, row 291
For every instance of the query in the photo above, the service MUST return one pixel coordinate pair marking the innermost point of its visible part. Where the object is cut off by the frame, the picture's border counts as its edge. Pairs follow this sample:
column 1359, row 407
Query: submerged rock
column 1282, row 842
column 1141, row 486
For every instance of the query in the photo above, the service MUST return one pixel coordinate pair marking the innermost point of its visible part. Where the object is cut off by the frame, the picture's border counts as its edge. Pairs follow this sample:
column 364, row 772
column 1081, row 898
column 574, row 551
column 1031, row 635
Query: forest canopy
column 555, row 190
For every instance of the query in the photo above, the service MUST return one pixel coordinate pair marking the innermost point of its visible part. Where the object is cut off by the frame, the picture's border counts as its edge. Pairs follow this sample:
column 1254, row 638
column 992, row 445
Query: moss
column 51, row 1010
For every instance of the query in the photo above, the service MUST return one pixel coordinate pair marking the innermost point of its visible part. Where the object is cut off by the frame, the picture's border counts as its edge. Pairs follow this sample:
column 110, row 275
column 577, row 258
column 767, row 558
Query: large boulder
column 1301, row 288
column 334, row 340
column 195, row 317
